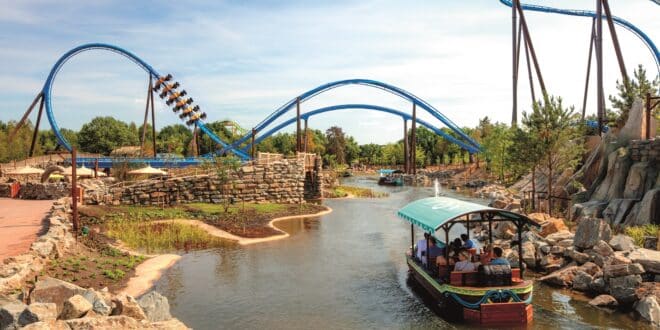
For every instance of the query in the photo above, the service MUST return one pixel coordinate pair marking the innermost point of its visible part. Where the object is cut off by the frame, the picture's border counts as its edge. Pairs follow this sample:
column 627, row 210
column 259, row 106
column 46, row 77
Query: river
column 344, row 270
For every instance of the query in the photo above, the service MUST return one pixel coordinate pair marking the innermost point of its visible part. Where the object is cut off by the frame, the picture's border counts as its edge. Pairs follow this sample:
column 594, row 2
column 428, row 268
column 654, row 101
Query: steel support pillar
column 515, row 43
column 615, row 41
column 528, row 40
column 74, row 191
column 599, row 64
column 305, row 137
column 25, row 116
column 153, row 119
column 252, row 146
column 298, row 125
column 146, row 117
column 586, row 82
column 36, row 127
column 413, row 141
column 406, row 157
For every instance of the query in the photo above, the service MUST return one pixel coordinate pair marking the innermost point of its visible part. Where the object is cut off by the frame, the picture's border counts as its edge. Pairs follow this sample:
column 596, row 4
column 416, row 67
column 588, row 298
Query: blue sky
column 241, row 60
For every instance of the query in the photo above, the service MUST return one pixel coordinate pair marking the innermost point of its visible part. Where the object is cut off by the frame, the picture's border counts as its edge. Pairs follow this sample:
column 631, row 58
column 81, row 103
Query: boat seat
column 464, row 278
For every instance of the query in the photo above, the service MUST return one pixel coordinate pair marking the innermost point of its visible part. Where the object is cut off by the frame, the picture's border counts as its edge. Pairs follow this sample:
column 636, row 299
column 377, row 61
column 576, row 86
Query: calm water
column 345, row 270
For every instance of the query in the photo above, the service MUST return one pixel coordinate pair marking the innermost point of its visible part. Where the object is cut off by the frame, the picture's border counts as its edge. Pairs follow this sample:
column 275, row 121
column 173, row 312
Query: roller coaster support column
column 528, row 41
column 586, row 82
column 413, row 141
column 74, row 191
column 20, row 124
column 150, row 101
column 36, row 127
column 153, row 119
column 305, row 136
column 651, row 103
column 615, row 41
column 515, row 42
column 599, row 63
column 298, row 144
column 252, row 147
column 406, row 156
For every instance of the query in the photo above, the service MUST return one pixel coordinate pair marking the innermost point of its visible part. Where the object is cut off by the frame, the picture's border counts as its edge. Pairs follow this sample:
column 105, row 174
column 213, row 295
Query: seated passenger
column 464, row 264
column 498, row 257
column 469, row 244
column 436, row 248
column 487, row 255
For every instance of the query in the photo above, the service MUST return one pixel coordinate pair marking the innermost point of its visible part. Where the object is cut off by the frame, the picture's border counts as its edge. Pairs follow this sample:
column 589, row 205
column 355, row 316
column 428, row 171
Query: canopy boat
column 390, row 177
column 483, row 296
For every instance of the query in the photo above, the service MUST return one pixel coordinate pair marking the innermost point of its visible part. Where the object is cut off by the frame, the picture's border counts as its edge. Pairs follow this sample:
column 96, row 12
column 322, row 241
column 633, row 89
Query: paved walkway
column 20, row 223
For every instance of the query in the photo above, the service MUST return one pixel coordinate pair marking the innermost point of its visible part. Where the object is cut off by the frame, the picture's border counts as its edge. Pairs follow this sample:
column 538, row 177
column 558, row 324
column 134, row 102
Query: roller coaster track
column 586, row 13
column 48, row 86
column 401, row 114
column 467, row 142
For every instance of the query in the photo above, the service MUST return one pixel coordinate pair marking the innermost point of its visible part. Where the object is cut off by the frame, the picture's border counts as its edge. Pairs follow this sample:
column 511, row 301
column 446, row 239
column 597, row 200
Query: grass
column 343, row 191
column 159, row 236
column 639, row 232
column 236, row 208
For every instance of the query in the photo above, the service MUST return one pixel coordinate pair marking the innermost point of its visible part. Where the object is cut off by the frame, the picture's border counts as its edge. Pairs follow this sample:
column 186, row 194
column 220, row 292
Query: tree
column 174, row 139
column 336, row 144
column 104, row 134
column 371, row 153
column 495, row 147
column 635, row 88
column 557, row 139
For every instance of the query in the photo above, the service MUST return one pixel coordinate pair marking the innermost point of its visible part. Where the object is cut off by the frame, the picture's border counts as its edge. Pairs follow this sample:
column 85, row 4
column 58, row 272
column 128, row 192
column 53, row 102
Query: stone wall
column 645, row 150
column 279, row 181
column 44, row 190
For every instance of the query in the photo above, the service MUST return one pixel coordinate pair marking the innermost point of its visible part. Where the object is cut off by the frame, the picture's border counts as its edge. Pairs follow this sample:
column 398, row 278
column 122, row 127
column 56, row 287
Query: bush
column 639, row 232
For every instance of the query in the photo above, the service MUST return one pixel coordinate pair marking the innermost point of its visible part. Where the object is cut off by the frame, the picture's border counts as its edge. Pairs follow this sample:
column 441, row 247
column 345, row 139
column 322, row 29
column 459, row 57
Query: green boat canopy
column 432, row 213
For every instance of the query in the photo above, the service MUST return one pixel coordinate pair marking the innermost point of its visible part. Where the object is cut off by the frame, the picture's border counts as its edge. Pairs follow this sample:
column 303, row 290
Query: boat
column 480, row 297
column 390, row 177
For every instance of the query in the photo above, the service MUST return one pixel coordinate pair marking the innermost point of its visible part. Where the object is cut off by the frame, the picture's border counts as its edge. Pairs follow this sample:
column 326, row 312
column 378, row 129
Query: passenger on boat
column 421, row 247
column 498, row 257
column 470, row 244
column 487, row 255
column 464, row 264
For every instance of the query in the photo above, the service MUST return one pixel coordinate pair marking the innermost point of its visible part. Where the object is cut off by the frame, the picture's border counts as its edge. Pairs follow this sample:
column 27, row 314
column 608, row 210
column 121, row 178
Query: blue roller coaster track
column 401, row 114
column 586, row 13
column 48, row 87
column 467, row 140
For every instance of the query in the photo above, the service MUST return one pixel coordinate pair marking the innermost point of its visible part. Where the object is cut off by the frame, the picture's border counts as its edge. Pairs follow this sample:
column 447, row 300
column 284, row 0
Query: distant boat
column 493, row 295
column 389, row 177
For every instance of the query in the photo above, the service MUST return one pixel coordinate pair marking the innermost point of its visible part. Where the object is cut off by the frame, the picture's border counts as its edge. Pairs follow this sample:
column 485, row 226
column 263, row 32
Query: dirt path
column 20, row 223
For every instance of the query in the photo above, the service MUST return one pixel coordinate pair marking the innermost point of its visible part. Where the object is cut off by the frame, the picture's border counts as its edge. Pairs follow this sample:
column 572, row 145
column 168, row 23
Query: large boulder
column 622, row 243
column 111, row 322
column 649, row 309
column 590, row 231
column 618, row 164
column 10, row 312
column 75, row 307
column 577, row 256
column 604, row 300
column 603, row 249
column 100, row 305
column 617, row 210
column 562, row 277
column 552, row 225
column 155, row 306
column 590, row 209
column 51, row 290
column 649, row 208
column 640, row 180
column 559, row 236
column 623, row 288
column 650, row 259
column 529, row 254
column 47, row 325
column 128, row 306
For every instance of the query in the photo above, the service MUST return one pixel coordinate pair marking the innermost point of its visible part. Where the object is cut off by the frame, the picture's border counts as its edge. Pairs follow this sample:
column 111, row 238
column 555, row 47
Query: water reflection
column 345, row 270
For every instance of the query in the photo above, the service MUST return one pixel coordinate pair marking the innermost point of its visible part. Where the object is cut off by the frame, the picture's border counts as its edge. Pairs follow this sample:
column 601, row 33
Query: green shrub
column 639, row 232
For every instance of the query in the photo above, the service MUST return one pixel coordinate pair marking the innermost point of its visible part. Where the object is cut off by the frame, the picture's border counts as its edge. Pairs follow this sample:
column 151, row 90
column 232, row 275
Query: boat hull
column 491, row 306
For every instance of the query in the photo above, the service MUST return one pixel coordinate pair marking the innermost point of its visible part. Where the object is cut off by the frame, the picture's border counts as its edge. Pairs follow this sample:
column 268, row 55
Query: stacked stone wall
column 645, row 150
column 279, row 182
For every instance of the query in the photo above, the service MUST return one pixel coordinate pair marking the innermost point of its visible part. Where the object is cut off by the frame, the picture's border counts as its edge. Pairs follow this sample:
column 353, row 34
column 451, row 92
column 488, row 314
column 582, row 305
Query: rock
column 649, row 309
column 172, row 324
column 100, row 305
column 590, row 268
column 610, row 271
column 545, row 249
column 623, row 288
column 512, row 257
column 622, row 243
column 75, row 307
column 582, row 281
column 530, row 236
column 559, row 236
column 598, row 285
column 598, row 258
column 562, row 277
column 650, row 259
column 638, row 181
column 155, row 306
column 551, row 262
column 504, row 230
column 603, row 249
column 529, row 254
column 47, row 325
column 552, row 226
column 619, row 259
column 38, row 312
column 579, row 257
column 10, row 311
column 618, row 165
column 111, row 322
column 565, row 243
column 649, row 210
column 604, row 300
column 128, row 306
column 590, row 231
column 616, row 211
column 51, row 290
column 557, row 250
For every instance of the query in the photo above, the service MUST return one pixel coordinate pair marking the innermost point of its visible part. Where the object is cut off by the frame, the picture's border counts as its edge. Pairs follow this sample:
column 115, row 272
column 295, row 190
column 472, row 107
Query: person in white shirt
column 421, row 248
column 464, row 264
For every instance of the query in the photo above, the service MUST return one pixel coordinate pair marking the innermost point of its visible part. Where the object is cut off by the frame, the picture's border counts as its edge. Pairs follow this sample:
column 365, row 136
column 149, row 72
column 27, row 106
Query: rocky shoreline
column 30, row 302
